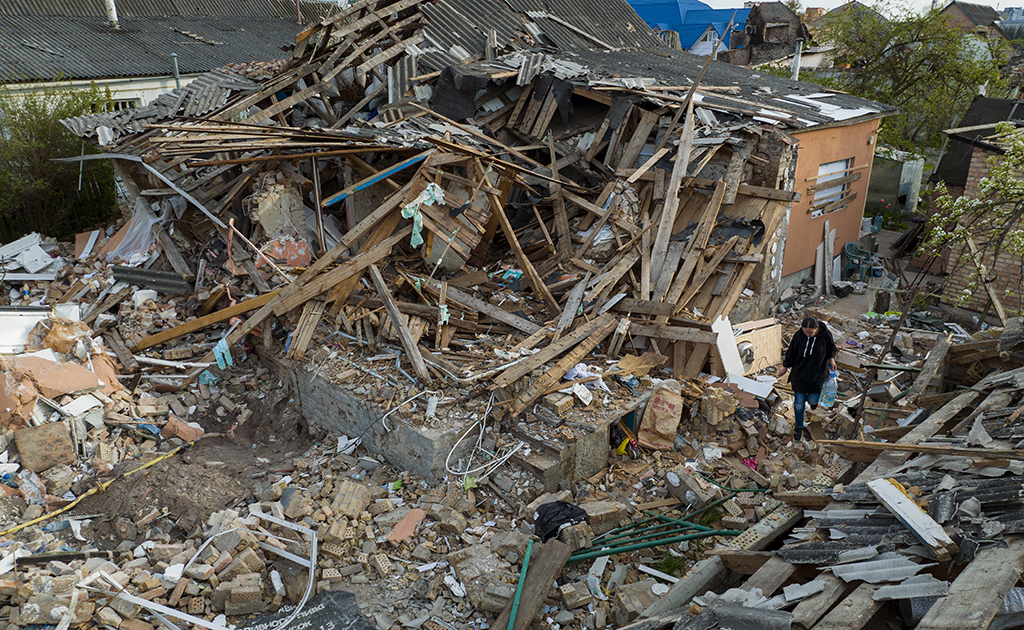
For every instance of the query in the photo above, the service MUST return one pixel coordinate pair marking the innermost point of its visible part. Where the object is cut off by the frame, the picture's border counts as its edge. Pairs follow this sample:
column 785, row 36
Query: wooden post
column 398, row 322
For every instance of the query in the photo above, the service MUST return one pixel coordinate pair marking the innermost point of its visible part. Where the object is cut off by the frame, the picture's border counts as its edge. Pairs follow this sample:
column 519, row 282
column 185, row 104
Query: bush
column 36, row 193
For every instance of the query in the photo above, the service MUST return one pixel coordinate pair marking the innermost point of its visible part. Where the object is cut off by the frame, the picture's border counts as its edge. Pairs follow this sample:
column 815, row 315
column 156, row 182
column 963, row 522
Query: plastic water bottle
column 829, row 391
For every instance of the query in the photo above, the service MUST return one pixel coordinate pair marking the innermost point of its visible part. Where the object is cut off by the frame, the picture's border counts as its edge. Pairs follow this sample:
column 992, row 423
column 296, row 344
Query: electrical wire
column 490, row 466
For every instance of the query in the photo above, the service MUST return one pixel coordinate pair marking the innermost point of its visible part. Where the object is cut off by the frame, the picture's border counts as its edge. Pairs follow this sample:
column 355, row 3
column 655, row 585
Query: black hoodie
column 807, row 359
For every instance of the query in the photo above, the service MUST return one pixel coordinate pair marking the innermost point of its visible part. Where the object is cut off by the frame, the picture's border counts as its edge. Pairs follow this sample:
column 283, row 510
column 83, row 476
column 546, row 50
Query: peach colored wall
column 819, row 147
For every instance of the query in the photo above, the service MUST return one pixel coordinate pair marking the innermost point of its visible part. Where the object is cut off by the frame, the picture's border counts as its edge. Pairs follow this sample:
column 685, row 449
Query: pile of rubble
column 380, row 319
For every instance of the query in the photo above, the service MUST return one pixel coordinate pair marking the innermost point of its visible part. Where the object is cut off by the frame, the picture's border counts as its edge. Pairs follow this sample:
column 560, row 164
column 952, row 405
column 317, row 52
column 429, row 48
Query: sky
column 920, row 5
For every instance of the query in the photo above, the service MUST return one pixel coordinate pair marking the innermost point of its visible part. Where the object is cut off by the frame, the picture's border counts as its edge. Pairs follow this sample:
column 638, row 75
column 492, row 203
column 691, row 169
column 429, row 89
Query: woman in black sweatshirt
column 810, row 356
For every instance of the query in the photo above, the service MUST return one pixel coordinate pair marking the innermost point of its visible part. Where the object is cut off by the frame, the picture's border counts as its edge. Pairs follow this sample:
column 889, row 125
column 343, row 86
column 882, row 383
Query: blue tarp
column 690, row 18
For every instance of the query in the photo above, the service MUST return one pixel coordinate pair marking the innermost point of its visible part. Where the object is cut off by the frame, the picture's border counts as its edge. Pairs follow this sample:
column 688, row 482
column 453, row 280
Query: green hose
column 608, row 551
column 519, row 586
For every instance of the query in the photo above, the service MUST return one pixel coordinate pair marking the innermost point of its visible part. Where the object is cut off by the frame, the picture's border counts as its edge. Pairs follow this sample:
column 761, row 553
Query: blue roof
column 690, row 18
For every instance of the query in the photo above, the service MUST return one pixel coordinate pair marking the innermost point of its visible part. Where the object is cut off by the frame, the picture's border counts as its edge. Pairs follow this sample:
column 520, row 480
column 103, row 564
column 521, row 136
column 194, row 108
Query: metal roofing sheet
column 49, row 48
column 160, row 8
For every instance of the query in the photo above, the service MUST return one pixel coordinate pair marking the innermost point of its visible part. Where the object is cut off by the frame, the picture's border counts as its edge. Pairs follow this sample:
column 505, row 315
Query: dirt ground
column 217, row 473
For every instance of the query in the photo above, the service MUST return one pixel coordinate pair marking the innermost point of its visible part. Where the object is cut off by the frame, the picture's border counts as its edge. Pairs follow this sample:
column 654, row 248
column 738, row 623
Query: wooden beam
column 771, row 576
column 913, row 518
column 935, row 360
column 852, row 613
column 541, row 289
column 342, row 272
column 202, row 322
column 116, row 344
column 863, row 451
column 668, row 214
column 312, row 311
column 674, row 333
column 551, row 376
column 552, row 351
column 810, row 610
column 398, row 322
column 572, row 304
column 546, row 564
column 997, row 305
column 977, row 593
column 107, row 304
column 470, row 302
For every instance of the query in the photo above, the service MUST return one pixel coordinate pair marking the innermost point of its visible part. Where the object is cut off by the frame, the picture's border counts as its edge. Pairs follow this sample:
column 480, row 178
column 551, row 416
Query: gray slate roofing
column 70, row 39
column 805, row 104
column 465, row 23
column 50, row 48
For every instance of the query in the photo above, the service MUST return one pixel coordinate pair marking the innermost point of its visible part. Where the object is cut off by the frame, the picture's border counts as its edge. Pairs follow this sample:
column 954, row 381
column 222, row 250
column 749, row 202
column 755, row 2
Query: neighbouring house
column 131, row 46
column 772, row 32
column 974, row 18
column 963, row 165
column 692, row 25
column 895, row 185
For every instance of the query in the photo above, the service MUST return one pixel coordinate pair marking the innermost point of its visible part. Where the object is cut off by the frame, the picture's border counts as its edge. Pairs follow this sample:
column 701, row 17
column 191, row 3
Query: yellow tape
column 103, row 486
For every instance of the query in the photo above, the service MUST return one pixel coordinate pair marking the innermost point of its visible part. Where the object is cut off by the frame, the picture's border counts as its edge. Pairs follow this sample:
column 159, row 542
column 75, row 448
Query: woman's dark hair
column 809, row 322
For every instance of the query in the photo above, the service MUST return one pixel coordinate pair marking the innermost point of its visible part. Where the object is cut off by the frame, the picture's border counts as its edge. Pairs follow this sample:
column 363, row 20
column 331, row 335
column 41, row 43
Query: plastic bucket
column 876, row 271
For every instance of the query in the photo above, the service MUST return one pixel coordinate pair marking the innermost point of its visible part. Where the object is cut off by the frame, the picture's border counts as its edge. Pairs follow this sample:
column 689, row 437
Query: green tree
column 993, row 220
column 36, row 193
column 918, row 63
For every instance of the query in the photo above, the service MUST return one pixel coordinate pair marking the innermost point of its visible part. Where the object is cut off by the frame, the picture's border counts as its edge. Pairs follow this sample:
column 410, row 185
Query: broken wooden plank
column 116, row 344
column 710, row 268
column 572, row 304
column 674, row 333
column 810, row 610
column 695, row 248
column 312, row 311
column 398, row 322
column 976, row 595
column 546, row 565
column 864, row 451
column 551, row 351
column 668, row 214
column 936, row 357
column 552, row 376
column 913, row 518
column 613, row 275
column 107, row 304
column 202, row 322
column 852, row 613
column 468, row 301
column 173, row 254
column 340, row 273
column 771, row 576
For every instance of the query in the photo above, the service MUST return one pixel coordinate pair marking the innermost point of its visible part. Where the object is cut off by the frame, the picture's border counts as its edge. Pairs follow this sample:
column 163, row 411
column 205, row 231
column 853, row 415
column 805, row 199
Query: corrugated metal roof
column 50, row 48
column 199, row 97
column 160, row 8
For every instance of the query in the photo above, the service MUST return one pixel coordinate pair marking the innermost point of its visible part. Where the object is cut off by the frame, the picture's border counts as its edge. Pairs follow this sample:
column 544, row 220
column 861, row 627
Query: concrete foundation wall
column 423, row 450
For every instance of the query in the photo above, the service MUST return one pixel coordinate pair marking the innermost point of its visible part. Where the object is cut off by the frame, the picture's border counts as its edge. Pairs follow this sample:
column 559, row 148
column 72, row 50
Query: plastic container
column 829, row 391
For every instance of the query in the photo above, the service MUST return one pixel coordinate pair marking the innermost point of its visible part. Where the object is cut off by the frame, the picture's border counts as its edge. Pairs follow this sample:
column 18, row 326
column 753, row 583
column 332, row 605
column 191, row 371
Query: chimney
column 112, row 14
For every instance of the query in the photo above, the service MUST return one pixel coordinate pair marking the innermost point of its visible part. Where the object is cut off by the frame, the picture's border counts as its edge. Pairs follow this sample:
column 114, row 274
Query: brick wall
column 1006, row 267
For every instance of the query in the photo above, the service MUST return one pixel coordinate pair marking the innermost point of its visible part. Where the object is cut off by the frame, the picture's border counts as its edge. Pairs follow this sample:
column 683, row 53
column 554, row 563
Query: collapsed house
column 427, row 228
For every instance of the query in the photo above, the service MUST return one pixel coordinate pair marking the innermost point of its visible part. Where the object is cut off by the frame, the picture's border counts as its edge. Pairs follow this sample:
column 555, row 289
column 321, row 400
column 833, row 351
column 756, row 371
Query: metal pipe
column 177, row 76
column 652, row 543
column 519, row 587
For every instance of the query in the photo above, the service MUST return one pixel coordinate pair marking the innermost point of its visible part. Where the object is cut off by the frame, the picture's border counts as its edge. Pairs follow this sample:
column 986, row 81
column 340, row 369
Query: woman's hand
column 782, row 371
column 832, row 363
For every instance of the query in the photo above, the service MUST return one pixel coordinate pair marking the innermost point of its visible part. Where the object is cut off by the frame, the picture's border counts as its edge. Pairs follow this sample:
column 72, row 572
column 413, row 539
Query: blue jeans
column 800, row 401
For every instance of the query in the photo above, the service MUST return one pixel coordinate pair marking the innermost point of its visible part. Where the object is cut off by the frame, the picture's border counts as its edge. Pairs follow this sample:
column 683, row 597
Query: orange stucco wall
column 819, row 147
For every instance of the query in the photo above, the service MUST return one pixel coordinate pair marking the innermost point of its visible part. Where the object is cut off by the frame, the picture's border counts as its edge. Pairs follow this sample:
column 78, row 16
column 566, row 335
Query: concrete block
column 605, row 515
column 577, row 536
column 575, row 595
column 631, row 600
